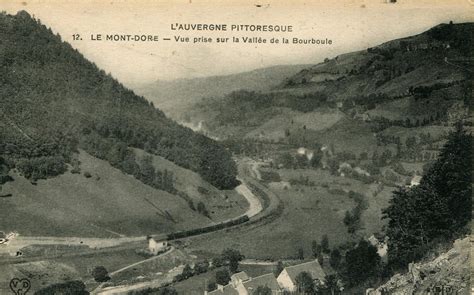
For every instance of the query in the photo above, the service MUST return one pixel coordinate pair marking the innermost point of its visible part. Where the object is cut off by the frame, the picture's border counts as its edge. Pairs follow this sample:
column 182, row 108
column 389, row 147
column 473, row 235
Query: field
column 310, row 211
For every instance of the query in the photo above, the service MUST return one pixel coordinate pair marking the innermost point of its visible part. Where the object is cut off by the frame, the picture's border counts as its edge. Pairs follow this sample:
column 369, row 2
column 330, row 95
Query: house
column 287, row 278
column 415, row 180
column 267, row 280
column 223, row 290
column 156, row 247
column 305, row 152
column 241, row 284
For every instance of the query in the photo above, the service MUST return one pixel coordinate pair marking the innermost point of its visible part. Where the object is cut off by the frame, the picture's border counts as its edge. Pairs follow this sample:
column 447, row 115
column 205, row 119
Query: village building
column 156, row 247
column 305, row 152
column 223, row 290
column 415, row 180
column 241, row 284
column 287, row 278
column 268, row 280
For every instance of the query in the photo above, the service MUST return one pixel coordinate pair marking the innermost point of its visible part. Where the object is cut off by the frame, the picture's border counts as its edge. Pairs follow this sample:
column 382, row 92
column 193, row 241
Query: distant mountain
column 413, row 82
column 54, row 101
column 173, row 97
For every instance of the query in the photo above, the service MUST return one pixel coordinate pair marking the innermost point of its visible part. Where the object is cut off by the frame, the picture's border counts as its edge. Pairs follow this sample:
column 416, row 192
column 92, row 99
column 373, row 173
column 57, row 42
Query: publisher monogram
column 20, row 286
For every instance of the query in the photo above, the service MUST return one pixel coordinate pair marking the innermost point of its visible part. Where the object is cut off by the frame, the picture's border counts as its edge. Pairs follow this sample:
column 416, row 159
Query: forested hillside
column 54, row 101
column 438, row 209
column 416, row 81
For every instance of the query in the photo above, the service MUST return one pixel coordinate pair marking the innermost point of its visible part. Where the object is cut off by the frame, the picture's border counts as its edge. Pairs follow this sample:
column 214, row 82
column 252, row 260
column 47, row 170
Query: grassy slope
column 222, row 204
column 73, row 205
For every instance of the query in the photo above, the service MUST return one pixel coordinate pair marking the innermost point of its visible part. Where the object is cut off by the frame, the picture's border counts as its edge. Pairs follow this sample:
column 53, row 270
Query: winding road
column 95, row 245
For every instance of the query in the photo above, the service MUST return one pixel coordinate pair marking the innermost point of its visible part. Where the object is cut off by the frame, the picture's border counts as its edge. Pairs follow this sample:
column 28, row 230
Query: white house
column 415, row 180
column 287, row 278
column 155, row 247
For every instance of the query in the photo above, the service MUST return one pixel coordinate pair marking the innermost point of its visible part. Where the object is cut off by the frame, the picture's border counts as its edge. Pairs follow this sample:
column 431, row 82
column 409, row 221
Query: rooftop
column 267, row 280
column 226, row 290
column 242, row 276
column 311, row 267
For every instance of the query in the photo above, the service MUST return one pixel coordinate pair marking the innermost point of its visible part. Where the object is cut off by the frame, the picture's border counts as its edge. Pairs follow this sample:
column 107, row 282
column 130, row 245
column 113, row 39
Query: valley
column 350, row 170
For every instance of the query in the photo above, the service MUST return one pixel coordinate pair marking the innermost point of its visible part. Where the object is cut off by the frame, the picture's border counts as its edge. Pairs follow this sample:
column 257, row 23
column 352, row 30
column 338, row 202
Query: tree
column 218, row 261
column 147, row 171
column 129, row 165
column 233, row 257
column 201, row 208
column 167, row 291
column 70, row 287
column 222, row 277
column 100, row 274
column 315, row 248
column 362, row 262
column 300, row 254
column 278, row 269
column 304, row 283
column 211, row 286
column 201, row 267
column 321, row 259
column 335, row 258
column 331, row 285
column 262, row 290
column 187, row 272
column 325, row 244
column 438, row 209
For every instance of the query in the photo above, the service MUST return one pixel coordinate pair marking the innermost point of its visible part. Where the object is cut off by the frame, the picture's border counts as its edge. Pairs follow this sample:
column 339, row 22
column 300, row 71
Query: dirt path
column 171, row 249
column 255, row 206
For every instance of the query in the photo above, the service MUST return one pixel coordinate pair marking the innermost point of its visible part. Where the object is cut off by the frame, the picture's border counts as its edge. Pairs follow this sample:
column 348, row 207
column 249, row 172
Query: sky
column 350, row 24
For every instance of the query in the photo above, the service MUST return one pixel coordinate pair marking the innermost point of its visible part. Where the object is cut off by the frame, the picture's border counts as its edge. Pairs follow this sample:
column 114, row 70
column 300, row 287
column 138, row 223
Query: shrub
column 100, row 274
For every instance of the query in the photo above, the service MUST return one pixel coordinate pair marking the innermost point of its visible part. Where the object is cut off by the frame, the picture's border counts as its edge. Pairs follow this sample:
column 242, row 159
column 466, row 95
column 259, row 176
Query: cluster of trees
column 296, row 161
column 435, row 211
column 423, row 91
column 352, row 217
column 241, row 106
column 381, row 123
column 369, row 101
column 100, row 274
column 229, row 257
column 188, row 271
column 36, row 158
column 69, row 287
column 455, row 35
column 49, row 88
column 165, row 290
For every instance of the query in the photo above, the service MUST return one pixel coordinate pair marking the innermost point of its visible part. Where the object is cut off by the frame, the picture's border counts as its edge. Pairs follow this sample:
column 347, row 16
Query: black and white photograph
column 204, row 147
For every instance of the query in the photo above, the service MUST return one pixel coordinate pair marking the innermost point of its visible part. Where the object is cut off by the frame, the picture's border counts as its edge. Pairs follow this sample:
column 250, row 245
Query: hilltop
column 413, row 82
column 176, row 96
